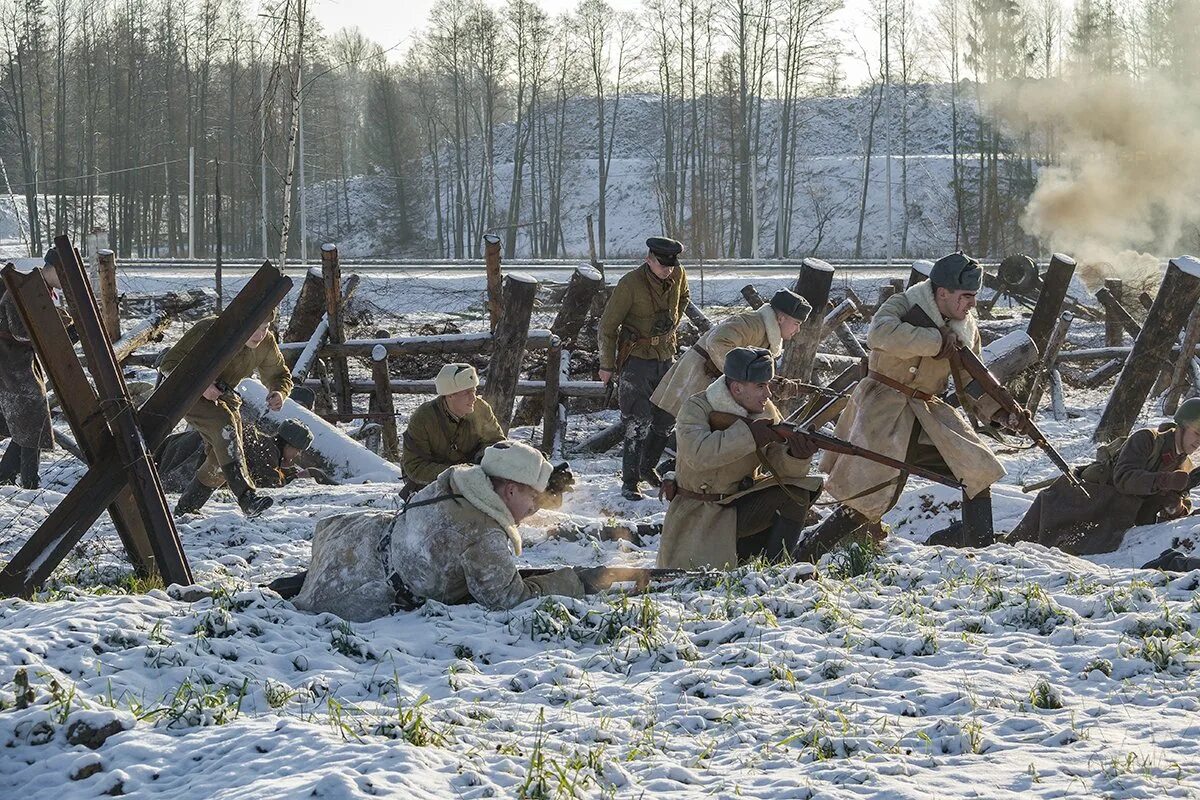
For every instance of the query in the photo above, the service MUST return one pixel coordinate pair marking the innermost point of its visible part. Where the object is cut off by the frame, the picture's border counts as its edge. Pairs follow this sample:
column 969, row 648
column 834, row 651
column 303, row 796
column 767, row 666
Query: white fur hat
column 454, row 378
column 517, row 461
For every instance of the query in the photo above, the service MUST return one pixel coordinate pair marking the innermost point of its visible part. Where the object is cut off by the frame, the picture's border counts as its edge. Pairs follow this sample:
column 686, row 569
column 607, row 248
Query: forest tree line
column 102, row 101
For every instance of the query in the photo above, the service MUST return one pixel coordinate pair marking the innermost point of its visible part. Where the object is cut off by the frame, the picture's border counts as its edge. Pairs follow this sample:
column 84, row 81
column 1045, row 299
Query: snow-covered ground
column 921, row 673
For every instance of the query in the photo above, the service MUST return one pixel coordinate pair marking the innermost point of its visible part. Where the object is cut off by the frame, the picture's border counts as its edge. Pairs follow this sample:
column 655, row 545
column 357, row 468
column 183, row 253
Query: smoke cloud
column 1124, row 190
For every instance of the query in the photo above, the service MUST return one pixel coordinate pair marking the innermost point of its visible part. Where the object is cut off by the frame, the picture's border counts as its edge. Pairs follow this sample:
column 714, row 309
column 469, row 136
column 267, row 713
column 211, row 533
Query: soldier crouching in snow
column 216, row 417
column 896, row 411
column 23, row 404
column 454, row 541
column 739, row 491
column 1134, row 481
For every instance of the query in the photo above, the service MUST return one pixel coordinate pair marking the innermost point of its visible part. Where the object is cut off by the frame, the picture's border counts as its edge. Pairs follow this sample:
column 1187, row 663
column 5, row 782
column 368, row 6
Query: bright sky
column 390, row 22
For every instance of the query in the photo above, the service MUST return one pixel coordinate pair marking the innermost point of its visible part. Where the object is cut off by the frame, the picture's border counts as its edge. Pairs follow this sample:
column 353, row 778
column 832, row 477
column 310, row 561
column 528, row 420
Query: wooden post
column 110, row 310
column 813, row 284
column 309, row 308
column 919, row 272
column 1057, row 404
column 550, row 399
column 582, row 288
column 491, row 260
column 517, row 296
column 1116, row 317
column 1050, row 299
column 591, row 234
column 753, row 297
column 128, row 443
column 218, row 275
column 698, row 318
column 385, row 403
column 1182, row 370
column 1113, row 328
column 331, row 270
column 886, row 290
column 1103, row 373
column 1176, row 300
column 303, row 359
column 1049, row 356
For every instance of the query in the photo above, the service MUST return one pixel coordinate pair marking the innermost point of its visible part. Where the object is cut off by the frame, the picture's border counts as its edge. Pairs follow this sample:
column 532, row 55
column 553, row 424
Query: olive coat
column 643, row 307
column 435, row 440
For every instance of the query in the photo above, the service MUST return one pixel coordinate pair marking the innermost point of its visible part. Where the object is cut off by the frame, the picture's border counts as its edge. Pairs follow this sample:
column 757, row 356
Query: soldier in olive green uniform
column 217, row 419
column 637, row 340
column 454, row 428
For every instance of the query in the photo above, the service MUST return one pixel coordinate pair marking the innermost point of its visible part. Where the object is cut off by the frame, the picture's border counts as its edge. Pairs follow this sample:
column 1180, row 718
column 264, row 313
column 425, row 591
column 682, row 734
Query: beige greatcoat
column 880, row 418
column 689, row 374
column 698, row 534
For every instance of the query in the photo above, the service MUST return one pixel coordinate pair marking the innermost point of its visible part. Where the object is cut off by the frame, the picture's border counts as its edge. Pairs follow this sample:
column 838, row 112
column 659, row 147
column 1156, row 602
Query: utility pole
column 262, row 158
column 303, row 204
column 887, row 116
column 191, row 202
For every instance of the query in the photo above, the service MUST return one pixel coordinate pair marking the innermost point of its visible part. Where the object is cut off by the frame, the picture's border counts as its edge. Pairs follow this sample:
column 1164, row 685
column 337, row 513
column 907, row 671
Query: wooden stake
column 1049, row 356
column 331, row 270
column 752, row 296
column 491, row 260
column 554, row 366
column 518, row 294
column 1176, row 300
column 1182, row 370
column 309, row 308
column 385, row 403
column 110, row 310
column 813, row 284
column 1116, row 317
column 1113, row 327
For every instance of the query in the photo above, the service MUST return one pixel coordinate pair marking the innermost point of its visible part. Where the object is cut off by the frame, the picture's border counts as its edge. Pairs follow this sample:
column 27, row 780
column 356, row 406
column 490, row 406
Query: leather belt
column 710, row 366
column 701, row 496
column 653, row 341
column 916, row 394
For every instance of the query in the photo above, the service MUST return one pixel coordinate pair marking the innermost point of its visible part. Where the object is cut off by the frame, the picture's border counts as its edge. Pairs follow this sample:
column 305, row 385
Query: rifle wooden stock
column 982, row 377
column 719, row 420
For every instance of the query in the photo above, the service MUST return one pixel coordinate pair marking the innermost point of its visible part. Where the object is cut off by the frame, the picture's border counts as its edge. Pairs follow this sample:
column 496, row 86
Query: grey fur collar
column 720, row 399
column 922, row 295
column 774, row 335
column 476, row 488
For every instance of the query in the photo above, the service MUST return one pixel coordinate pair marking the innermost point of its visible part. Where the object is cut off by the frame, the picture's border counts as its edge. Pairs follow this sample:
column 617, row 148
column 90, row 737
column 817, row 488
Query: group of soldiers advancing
column 741, row 487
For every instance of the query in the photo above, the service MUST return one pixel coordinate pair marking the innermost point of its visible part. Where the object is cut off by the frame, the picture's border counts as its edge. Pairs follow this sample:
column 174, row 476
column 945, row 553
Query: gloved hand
column 949, row 343
column 1175, row 511
column 561, row 479
column 764, row 432
column 801, row 446
column 1012, row 422
column 1172, row 481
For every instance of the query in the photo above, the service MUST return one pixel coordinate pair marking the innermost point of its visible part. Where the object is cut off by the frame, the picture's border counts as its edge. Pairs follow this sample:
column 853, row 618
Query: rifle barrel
column 835, row 445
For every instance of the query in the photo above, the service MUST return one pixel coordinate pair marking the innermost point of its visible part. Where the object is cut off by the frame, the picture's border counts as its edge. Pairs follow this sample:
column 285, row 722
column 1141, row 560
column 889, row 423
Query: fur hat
column 957, row 272
column 788, row 302
column 295, row 433
column 518, row 462
column 454, row 378
column 1188, row 413
column 753, row 364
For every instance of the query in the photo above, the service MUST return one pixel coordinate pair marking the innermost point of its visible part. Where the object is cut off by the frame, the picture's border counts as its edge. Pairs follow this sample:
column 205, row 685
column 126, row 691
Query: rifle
column 719, row 420
column 641, row 577
column 983, row 382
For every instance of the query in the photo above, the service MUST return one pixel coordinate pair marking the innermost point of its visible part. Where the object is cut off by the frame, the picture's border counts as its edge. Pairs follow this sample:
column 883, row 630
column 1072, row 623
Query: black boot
column 250, row 501
column 194, row 496
column 652, row 450
column 975, row 529
column 818, row 541
column 630, row 464
column 10, row 463
column 782, row 538
column 30, row 461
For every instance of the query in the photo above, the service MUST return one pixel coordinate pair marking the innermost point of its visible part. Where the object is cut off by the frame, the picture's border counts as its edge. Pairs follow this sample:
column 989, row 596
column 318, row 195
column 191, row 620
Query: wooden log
column 886, row 290
column 1116, row 316
column 385, row 403
column 1103, row 373
column 603, row 440
column 593, row 390
column 110, row 311
column 518, row 294
column 331, row 270
column 840, row 314
column 550, row 400
column 127, row 441
column 1113, row 327
column 451, row 343
column 698, row 318
column 1057, row 403
column 309, row 308
column 919, row 272
column 799, row 353
column 79, row 403
column 597, row 264
column 1146, row 301
column 302, row 361
column 146, row 331
column 753, row 297
column 1038, row 382
column 1053, row 291
column 66, row 524
column 582, row 288
column 833, row 361
column 491, row 260
column 1007, row 357
column 1182, row 370
column 1176, row 300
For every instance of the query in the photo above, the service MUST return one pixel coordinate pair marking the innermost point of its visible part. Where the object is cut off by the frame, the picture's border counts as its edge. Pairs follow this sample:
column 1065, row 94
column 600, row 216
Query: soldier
column 23, row 405
column 217, row 419
column 739, row 491
column 1133, row 481
column 454, row 541
column 271, row 459
column 769, row 327
column 453, row 428
column 895, row 411
column 637, row 344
